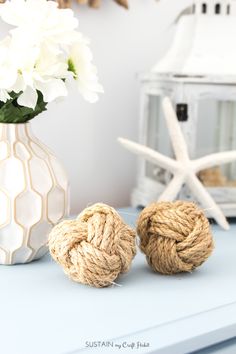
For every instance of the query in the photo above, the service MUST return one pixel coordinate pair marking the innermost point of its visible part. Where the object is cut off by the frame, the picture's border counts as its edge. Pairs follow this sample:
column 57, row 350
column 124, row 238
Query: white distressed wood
column 200, row 65
column 149, row 190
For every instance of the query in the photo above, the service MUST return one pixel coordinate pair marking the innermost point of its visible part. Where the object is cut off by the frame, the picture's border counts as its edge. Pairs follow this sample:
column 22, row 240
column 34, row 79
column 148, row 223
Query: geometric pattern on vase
column 34, row 194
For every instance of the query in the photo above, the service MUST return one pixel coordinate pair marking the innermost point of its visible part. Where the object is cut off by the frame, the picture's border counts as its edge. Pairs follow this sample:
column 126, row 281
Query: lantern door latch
column 182, row 112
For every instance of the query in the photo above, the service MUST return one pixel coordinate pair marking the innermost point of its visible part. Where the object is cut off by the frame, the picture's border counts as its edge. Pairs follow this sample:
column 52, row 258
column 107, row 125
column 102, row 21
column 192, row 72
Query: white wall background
column 84, row 136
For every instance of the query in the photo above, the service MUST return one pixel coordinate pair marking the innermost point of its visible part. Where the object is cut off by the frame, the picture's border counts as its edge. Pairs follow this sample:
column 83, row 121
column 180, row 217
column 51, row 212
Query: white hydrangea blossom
column 8, row 72
column 43, row 52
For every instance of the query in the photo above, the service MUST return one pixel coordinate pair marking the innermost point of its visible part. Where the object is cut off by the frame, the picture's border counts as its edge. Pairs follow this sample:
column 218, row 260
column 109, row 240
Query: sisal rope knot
column 95, row 248
column 174, row 236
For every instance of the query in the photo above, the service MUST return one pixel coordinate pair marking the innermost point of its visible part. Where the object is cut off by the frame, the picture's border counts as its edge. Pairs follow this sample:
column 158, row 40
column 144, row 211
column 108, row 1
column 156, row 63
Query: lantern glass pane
column 216, row 131
column 157, row 137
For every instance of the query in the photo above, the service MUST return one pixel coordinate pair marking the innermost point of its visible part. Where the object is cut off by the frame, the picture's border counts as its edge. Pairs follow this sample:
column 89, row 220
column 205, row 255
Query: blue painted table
column 43, row 312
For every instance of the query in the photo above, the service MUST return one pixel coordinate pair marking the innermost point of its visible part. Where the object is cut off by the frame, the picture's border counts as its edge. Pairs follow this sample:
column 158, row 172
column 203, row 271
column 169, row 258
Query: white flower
column 43, row 18
column 43, row 53
column 85, row 73
column 4, row 96
column 8, row 73
column 39, row 70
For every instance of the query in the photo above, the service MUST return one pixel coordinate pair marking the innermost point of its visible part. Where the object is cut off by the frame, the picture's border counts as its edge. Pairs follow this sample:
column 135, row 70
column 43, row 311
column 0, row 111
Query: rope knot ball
column 174, row 236
column 95, row 248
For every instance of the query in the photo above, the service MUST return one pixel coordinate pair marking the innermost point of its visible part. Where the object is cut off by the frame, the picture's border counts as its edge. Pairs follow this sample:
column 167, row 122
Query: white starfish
column 183, row 169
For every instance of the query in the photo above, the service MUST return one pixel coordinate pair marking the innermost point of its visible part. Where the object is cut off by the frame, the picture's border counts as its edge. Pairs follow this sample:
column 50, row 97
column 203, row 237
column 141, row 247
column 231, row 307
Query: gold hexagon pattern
column 33, row 194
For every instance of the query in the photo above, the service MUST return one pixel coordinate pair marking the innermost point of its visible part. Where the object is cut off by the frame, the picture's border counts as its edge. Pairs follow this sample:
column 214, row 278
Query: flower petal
column 19, row 85
column 28, row 98
column 4, row 96
column 52, row 89
column 13, row 12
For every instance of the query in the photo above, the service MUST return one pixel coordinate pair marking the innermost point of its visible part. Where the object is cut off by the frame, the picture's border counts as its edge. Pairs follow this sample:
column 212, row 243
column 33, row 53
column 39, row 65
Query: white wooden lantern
column 198, row 73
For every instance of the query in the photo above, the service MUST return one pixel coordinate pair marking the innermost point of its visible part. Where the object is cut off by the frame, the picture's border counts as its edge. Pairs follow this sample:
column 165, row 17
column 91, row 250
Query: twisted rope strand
column 174, row 236
column 95, row 248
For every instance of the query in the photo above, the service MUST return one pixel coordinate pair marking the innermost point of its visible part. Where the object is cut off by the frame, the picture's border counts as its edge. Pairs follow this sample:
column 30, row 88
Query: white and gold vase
column 33, row 194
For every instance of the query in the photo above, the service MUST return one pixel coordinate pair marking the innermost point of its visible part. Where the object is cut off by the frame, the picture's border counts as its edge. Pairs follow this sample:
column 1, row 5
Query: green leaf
column 12, row 112
column 71, row 67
